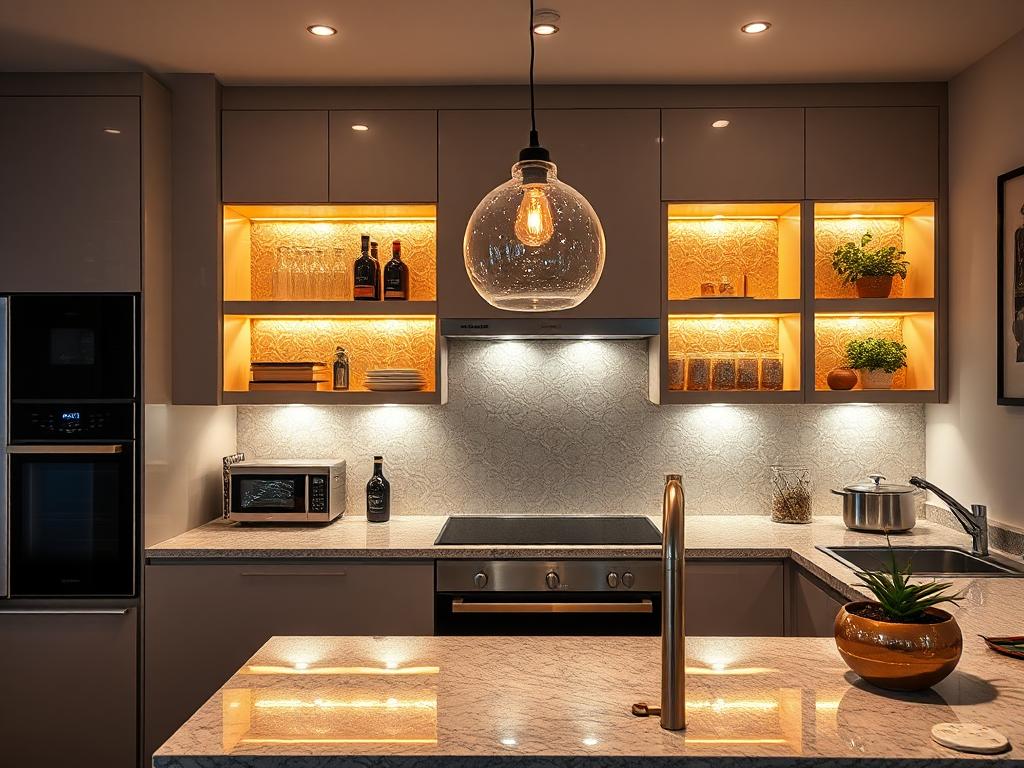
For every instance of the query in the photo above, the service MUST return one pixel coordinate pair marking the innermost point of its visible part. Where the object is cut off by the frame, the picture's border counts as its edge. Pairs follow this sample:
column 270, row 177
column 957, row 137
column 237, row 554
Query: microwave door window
column 285, row 493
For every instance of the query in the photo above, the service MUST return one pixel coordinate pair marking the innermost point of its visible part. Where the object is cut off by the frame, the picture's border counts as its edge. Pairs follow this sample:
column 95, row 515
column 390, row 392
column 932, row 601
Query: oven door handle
column 461, row 606
column 65, row 449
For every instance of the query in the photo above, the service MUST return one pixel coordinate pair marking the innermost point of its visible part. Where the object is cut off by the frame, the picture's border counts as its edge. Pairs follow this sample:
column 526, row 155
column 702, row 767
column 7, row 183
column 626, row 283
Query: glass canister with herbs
column 790, row 493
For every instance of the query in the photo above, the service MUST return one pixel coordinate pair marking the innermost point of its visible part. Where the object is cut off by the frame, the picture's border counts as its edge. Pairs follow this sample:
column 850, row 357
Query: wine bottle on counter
column 341, row 369
column 378, row 494
column 366, row 274
column 396, row 275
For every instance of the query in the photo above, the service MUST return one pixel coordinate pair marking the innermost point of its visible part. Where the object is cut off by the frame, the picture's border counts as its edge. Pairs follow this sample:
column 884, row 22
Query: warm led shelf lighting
column 321, row 30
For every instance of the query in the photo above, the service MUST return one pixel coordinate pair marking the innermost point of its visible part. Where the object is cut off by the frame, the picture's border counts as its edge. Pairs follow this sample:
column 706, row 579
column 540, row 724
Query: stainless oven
column 546, row 597
column 69, row 419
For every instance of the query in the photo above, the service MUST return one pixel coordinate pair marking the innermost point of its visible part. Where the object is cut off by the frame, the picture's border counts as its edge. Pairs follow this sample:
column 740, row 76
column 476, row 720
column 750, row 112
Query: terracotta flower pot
column 898, row 657
column 842, row 378
column 878, row 287
column 875, row 378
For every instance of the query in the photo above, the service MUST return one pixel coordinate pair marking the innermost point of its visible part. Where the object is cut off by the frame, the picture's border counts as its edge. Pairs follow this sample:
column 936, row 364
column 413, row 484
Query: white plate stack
column 395, row 380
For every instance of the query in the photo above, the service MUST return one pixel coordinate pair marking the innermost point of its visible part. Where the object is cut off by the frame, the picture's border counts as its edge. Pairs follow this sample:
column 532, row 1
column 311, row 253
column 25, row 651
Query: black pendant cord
column 534, row 151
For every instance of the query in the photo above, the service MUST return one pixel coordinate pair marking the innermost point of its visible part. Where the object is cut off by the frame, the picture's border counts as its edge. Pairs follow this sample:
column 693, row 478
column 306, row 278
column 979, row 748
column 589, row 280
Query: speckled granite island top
column 315, row 702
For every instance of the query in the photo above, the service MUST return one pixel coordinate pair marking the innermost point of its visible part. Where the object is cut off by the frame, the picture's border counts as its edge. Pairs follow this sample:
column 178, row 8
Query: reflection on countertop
column 563, row 699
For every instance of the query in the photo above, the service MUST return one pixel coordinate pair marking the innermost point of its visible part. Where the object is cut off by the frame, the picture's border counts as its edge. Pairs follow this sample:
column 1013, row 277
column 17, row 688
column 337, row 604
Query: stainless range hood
column 527, row 327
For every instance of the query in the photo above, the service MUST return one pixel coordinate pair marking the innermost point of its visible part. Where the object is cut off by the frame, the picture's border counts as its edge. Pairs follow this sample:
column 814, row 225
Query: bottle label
column 363, row 291
column 375, row 502
column 394, row 293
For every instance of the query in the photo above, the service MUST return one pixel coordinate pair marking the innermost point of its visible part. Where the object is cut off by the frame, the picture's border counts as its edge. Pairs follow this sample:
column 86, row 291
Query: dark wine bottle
column 378, row 494
column 366, row 274
column 396, row 275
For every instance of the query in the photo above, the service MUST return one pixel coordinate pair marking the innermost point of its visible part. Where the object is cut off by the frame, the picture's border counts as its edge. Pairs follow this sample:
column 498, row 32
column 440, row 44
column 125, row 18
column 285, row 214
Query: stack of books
column 289, row 377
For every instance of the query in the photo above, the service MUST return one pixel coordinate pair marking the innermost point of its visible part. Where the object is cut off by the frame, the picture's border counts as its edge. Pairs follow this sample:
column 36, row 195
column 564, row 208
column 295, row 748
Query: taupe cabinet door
column 274, row 156
column 393, row 161
column 733, row 598
column 758, row 156
column 610, row 155
column 70, row 194
column 68, row 695
column 204, row 621
column 872, row 153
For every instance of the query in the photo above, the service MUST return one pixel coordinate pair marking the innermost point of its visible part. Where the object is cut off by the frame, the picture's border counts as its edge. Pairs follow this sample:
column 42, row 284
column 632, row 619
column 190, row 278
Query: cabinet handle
column 461, row 606
column 69, row 449
column 265, row 575
column 64, row 611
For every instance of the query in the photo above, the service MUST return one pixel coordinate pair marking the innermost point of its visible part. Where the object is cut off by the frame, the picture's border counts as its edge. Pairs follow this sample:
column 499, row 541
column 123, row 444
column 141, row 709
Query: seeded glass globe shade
column 534, row 244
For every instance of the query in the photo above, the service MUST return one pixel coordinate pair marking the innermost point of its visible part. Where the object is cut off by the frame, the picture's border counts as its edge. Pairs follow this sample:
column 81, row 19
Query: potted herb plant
column 876, row 360
column 900, row 641
column 871, row 271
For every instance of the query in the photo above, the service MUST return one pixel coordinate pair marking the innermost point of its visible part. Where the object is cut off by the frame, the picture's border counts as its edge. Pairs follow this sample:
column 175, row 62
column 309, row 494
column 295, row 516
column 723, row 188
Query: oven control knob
column 480, row 580
column 551, row 580
column 627, row 579
column 613, row 579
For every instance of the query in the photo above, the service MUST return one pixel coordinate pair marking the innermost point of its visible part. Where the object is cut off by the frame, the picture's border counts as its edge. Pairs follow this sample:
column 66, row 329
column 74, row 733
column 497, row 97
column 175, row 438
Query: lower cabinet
column 813, row 605
column 202, row 622
column 69, row 693
column 735, row 598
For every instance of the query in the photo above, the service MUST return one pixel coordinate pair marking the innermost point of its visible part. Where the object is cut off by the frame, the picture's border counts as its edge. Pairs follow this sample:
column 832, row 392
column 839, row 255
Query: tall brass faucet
column 673, row 608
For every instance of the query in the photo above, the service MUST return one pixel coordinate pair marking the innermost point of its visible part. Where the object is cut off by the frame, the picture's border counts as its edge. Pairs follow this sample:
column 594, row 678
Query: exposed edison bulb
column 534, row 225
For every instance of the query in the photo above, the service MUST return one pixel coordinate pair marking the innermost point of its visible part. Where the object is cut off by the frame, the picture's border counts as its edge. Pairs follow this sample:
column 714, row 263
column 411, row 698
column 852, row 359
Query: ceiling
column 484, row 41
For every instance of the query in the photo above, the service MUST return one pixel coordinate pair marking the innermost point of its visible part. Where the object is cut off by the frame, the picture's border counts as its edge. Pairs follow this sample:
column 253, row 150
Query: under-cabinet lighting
column 590, row 741
column 321, row 30
column 509, row 742
column 720, row 124
column 545, row 22
column 756, row 27
column 112, row 131
column 361, row 219
column 726, row 217
column 360, row 127
column 337, row 741
column 260, row 669
column 848, row 216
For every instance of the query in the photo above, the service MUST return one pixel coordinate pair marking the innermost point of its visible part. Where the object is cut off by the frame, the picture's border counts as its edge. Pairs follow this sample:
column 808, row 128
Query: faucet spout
column 673, row 633
column 974, row 520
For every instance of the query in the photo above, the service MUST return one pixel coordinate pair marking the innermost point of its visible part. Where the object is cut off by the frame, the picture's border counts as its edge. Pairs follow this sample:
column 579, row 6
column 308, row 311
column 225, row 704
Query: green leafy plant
column 876, row 354
column 900, row 600
column 852, row 262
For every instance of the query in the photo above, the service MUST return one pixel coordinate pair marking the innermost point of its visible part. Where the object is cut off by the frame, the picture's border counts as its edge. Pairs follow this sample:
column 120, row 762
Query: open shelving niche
column 756, row 245
column 263, row 323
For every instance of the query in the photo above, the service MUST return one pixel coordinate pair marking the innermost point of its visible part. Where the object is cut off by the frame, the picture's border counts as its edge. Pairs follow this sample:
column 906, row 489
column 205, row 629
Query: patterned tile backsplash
column 565, row 427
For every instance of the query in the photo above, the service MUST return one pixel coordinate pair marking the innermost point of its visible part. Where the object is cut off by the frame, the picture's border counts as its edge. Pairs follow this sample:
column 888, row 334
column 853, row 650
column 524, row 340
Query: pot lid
column 874, row 484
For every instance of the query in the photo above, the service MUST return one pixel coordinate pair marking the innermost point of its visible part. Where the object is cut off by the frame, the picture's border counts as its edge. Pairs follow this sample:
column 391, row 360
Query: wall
column 973, row 445
column 565, row 427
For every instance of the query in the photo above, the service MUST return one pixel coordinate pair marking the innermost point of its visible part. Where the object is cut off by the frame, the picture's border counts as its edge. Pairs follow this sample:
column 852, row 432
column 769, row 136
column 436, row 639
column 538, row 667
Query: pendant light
column 534, row 244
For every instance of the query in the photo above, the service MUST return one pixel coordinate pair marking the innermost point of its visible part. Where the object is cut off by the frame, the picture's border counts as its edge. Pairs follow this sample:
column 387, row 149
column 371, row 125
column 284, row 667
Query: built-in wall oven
column 70, row 420
column 544, row 597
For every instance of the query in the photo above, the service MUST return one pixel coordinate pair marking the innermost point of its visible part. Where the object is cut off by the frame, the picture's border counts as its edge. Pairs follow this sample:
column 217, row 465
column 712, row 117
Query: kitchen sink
column 926, row 561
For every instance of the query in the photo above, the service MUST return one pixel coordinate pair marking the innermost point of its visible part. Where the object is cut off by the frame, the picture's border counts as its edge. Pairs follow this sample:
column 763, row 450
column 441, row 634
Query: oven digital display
column 266, row 493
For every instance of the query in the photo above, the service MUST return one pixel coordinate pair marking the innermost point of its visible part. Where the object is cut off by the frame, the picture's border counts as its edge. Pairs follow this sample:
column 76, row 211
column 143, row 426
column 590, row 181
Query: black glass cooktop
column 545, row 529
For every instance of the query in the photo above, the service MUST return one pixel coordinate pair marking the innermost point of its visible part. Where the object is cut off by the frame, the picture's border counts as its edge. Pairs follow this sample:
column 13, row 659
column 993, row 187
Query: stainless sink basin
column 926, row 561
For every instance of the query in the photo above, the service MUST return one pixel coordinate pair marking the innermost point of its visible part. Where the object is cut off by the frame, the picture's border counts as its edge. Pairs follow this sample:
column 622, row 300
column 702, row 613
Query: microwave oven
column 286, row 491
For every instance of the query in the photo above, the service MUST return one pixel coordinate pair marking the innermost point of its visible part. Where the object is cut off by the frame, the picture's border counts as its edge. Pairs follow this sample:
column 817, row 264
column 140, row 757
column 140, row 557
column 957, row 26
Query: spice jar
column 708, row 289
column 771, row 371
column 676, row 370
column 723, row 371
column 747, row 376
column 698, row 372
column 790, row 494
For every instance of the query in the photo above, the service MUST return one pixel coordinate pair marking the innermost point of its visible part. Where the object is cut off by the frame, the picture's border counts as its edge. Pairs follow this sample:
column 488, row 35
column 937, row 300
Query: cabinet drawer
column 204, row 621
column 872, row 153
column 393, row 161
column 274, row 156
column 735, row 598
column 759, row 155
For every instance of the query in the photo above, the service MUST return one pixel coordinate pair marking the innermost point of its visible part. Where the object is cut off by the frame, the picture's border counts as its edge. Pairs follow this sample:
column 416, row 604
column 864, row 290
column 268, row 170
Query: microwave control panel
column 318, row 493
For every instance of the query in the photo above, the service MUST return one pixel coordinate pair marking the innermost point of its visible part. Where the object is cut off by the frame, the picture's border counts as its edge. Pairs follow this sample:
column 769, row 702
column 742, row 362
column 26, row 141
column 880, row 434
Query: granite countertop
column 534, row 701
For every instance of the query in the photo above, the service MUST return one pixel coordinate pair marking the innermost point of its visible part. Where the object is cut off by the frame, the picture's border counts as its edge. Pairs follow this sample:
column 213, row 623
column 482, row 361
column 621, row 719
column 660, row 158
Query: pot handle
column 837, row 493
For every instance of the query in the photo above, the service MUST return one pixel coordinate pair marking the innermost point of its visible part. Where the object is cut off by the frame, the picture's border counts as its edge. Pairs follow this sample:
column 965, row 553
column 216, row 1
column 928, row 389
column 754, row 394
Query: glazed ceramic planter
column 898, row 657
column 875, row 378
column 878, row 287
column 842, row 378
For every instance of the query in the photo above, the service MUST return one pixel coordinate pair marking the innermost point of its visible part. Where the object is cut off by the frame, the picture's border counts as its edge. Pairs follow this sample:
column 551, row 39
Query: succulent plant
column 900, row 600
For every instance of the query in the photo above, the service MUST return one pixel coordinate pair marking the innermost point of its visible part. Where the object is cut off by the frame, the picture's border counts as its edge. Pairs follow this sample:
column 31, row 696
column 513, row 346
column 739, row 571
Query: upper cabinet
column 70, row 193
column 872, row 153
column 383, row 156
column 271, row 156
column 610, row 155
column 732, row 154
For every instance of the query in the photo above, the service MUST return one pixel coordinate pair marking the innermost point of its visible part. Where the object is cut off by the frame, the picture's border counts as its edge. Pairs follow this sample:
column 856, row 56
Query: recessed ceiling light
column 545, row 22
column 720, row 124
column 114, row 131
column 360, row 127
column 321, row 30
column 755, row 27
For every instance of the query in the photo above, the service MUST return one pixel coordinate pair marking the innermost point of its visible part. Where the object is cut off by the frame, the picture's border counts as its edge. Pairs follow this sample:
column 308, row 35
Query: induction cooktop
column 548, row 529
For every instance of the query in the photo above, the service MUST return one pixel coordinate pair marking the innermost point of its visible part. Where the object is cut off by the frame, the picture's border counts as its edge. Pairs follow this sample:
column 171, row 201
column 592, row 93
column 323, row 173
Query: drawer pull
column 461, row 606
column 64, row 611
column 265, row 575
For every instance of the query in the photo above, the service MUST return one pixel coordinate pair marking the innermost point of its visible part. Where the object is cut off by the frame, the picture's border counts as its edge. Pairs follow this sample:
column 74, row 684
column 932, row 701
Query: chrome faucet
column 673, row 609
column 974, row 520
